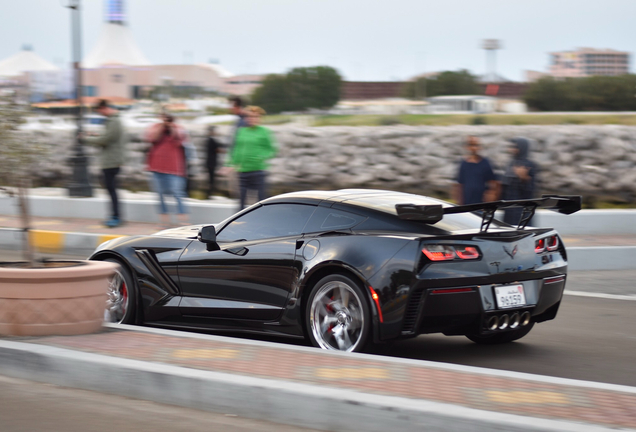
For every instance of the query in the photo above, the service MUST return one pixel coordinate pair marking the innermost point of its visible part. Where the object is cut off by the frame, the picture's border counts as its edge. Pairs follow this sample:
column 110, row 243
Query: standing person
column 191, row 161
column 476, row 181
column 111, row 142
column 237, row 108
column 254, row 146
column 167, row 163
column 520, row 178
column 213, row 148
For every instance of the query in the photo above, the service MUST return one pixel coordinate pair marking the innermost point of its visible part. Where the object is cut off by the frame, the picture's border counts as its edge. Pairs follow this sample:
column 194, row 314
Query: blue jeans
column 171, row 184
column 254, row 180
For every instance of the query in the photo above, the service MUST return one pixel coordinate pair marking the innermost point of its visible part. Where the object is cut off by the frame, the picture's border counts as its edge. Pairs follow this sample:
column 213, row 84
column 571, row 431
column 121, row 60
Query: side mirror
column 207, row 235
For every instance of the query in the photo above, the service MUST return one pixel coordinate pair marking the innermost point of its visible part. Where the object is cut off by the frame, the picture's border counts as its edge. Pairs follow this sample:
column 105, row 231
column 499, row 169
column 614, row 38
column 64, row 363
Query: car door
column 252, row 273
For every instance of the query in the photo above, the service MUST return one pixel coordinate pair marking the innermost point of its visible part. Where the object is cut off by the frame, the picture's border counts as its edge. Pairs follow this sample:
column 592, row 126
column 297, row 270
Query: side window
column 269, row 221
column 327, row 219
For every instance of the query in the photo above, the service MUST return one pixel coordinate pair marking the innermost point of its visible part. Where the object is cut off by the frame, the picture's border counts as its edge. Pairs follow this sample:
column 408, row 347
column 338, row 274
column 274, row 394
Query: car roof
column 380, row 200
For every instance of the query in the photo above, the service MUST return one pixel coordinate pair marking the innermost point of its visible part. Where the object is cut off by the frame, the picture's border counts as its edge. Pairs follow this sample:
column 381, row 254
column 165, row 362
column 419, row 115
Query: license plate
column 510, row 296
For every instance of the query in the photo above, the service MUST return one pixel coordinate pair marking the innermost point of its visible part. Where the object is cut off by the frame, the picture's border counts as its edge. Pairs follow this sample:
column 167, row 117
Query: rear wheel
column 121, row 300
column 501, row 338
column 337, row 314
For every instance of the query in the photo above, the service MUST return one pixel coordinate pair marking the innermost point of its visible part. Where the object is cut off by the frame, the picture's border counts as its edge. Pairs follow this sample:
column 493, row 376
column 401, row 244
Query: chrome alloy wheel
column 117, row 300
column 336, row 317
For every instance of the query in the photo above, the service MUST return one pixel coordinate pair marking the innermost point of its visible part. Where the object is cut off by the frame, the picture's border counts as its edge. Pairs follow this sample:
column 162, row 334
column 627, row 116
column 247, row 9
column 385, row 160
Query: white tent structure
column 220, row 70
column 116, row 45
column 24, row 61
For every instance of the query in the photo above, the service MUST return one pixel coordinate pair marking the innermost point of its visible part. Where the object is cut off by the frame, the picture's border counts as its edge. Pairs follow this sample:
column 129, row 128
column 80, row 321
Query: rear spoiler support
column 564, row 204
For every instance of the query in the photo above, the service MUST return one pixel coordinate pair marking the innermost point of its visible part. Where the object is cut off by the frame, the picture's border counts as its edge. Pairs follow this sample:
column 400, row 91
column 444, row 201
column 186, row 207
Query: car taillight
column 439, row 252
column 449, row 253
column 548, row 243
column 468, row 252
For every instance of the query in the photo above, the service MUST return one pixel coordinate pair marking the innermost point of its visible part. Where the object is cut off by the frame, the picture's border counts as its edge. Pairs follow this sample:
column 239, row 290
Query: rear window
column 386, row 203
column 328, row 219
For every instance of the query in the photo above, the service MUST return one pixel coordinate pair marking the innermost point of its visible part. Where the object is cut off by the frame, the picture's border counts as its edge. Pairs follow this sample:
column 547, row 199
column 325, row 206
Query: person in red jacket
column 167, row 163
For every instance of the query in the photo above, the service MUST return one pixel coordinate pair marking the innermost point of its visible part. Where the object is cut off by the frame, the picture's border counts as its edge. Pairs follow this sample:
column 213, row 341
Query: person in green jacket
column 111, row 143
column 254, row 145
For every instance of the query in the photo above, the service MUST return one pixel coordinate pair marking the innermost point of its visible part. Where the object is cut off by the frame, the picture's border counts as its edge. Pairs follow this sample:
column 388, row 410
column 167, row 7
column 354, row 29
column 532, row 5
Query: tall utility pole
column 491, row 46
column 79, row 185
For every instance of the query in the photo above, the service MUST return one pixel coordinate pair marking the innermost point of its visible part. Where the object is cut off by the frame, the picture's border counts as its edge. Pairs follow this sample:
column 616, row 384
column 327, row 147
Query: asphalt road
column 591, row 339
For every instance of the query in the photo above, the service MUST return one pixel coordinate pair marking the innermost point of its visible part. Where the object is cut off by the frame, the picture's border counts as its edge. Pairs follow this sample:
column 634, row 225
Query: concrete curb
column 299, row 404
column 54, row 242
column 69, row 243
column 602, row 258
column 142, row 210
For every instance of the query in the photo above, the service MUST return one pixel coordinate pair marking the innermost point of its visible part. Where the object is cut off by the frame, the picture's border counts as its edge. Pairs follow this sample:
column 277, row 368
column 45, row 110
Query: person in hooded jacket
column 519, row 181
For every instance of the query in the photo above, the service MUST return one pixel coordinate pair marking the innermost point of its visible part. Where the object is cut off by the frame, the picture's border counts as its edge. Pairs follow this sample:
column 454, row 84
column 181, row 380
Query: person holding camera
column 167, row 163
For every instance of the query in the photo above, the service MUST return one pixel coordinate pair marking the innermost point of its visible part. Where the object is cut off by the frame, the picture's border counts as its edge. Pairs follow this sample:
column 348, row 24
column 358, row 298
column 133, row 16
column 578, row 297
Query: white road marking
column 600, row 295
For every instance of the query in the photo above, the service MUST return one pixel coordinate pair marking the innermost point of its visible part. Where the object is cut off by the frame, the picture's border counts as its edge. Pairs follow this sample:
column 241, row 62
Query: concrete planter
column 65, row 298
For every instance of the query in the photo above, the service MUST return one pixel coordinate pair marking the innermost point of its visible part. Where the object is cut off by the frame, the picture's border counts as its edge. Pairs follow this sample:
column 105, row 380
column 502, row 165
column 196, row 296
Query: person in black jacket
column 213, row 148
column 519, row 181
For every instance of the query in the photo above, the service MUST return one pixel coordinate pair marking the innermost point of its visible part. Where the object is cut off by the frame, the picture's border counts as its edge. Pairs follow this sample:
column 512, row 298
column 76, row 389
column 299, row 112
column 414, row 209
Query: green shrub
column 479, row 120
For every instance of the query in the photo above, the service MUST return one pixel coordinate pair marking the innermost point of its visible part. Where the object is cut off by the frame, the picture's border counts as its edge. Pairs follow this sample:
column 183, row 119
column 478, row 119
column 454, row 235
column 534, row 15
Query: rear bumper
column 469, row 309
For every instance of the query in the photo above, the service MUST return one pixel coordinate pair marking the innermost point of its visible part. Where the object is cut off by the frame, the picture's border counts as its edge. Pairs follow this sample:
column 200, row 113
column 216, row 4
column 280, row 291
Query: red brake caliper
column 124, row 293
column 330, row 309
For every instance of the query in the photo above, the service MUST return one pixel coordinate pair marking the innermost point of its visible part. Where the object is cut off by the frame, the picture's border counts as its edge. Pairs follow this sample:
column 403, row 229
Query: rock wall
column 593, row 161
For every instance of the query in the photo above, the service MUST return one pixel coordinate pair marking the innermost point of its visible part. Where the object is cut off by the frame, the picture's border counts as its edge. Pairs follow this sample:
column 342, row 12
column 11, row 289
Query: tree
column 595, row 93
column 447, row 83
column 299, row 89
column 19, row 156
column 272, row 95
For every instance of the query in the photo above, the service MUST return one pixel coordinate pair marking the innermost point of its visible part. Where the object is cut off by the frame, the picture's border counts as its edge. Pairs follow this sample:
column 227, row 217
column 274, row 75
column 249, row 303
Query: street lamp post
column 79, row 185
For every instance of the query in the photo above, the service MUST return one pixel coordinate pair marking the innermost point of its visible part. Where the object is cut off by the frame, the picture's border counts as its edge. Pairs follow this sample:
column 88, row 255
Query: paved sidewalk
column 492, row 397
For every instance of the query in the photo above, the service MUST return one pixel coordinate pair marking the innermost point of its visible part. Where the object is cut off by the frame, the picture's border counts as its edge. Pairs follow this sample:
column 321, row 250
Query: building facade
column 588, row 62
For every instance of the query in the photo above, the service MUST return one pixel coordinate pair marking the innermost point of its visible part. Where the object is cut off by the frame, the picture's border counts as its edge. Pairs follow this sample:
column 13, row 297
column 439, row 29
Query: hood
column 523, row 144
column 184, row 232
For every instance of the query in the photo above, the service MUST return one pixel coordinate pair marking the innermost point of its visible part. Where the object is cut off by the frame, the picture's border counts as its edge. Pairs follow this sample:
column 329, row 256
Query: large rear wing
column 565, row 204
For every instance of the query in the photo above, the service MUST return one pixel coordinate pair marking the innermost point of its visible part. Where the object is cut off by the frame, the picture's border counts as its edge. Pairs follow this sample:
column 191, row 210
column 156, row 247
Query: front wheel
column 120, row 303
column 337, row 314
column 501, row 338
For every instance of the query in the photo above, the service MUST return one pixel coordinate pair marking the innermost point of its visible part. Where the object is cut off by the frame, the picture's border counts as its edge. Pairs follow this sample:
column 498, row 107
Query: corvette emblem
column 512, row 253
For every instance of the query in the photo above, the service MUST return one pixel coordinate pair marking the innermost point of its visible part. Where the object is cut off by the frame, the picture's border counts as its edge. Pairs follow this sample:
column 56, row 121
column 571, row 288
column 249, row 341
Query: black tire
column 122, row 296
column 337, row 314
column 501, row 338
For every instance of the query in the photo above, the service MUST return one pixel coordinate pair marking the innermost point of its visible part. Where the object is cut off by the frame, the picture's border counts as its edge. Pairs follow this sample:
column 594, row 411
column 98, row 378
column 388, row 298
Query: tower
column 491, row 46
column 116, row 45
column 115, row 11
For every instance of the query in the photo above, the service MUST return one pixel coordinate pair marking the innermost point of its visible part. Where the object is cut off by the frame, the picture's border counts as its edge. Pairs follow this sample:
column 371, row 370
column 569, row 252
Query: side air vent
column 412, row 310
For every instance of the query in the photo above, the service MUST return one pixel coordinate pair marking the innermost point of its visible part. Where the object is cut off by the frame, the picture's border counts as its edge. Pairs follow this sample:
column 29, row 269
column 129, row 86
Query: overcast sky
column 363, row 39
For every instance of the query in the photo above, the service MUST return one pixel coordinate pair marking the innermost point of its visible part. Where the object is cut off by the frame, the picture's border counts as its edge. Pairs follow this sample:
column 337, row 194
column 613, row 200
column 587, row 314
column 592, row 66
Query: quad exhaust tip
column 493, row 323
column 525, row 318
column 515, row 320
column 506, row 321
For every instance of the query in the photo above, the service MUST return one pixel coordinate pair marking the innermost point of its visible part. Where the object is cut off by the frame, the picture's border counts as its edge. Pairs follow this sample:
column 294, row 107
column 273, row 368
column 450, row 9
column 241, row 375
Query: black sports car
column 345, row 268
